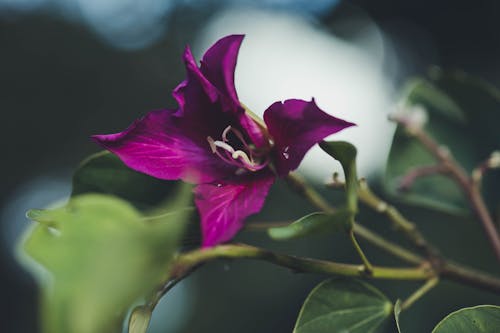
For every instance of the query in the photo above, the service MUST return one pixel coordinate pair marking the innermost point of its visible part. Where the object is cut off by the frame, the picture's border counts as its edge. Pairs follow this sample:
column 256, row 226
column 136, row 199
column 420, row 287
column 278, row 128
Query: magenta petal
column 295, row 126
column 196, row 89
column 223, row 207
column 208, row 93
column 158, row 146
column 218, row 65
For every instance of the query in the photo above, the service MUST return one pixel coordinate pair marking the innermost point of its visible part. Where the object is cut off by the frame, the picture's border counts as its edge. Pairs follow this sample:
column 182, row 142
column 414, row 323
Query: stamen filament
column 240, row 158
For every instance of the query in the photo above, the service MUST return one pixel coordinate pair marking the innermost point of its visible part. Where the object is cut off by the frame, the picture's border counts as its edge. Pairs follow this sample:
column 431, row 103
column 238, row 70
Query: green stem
column 185, row 262
column 390, row 247
column 174, row 278
column 431, row 283
column 446, row 269
column 368, row 266
column 299, row 185
column 408, row 228
column 360, row 231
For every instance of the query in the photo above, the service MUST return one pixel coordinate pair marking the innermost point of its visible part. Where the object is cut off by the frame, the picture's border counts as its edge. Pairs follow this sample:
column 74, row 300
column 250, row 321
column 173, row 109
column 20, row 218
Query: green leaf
column 478, row 319
column 340, row 305
column 96, row 257
column 397, row 312
column 345, row 153
column 139, row 320
column 317, row 222
column 105, row 173
column 423, row 92
column 463, row 115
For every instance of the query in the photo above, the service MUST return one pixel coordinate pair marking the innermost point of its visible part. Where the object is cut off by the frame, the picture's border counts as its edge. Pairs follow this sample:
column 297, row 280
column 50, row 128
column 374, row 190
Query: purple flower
column 211, row 141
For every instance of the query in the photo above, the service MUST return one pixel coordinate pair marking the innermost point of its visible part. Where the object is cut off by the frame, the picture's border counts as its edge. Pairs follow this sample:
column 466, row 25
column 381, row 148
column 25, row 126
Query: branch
column 446, row 269
column 431, row 283
column 302, row 188
column 361, row 232
column 186, row 261
column 408, row 228
column 410, row 177
column 443, row 155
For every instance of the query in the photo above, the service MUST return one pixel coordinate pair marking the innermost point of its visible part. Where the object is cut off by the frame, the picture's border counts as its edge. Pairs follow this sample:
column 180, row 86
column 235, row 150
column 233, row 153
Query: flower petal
column 160, row 146
column 223, row 207
column 218, row 65
column 209, row 92
column 295, row 126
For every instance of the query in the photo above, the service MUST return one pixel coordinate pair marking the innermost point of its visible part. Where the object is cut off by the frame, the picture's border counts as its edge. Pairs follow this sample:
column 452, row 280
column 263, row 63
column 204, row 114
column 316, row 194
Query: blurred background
column 73, row 68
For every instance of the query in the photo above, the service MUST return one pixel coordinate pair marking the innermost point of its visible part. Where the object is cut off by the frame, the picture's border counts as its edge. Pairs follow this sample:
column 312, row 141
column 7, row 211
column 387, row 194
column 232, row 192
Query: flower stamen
column 245, row 159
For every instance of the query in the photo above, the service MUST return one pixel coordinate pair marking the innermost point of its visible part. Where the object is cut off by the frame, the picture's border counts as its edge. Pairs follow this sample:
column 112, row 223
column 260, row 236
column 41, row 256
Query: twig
column 361, row 232
column 431, row 283
column 492, row 162
column 447, row 269
column 469, row 276
column 411, row 176
column 366, row 263
column 443, row 156
column 389, row 247
column 409, row 228
column 301, row 187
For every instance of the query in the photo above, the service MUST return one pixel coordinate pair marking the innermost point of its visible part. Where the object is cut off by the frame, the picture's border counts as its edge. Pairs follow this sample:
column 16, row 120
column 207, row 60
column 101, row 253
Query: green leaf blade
column 339, row 305
column 103, row 256
column 313, row 223
column 478, row 319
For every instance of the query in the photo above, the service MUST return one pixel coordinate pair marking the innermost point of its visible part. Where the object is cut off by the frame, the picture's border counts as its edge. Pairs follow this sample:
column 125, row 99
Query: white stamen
column 224, row 133
column 243, row 159
column 211, row 142
column 239, row 153
column 224, row 146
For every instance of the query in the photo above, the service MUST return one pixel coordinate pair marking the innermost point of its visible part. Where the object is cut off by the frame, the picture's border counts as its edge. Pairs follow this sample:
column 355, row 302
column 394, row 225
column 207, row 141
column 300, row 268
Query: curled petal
column 223, row 207
column 218, row 65
column 158, row 145
column 295, row 126
column 208, row 93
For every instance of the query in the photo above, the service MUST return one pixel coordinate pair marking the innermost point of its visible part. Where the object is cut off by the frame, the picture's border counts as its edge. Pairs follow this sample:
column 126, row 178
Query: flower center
column 246, row 158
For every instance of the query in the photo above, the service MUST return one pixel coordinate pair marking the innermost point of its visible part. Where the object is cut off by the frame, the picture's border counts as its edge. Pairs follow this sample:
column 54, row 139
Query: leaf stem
column 431, row 283
column 390, row 247
column 366, row 263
